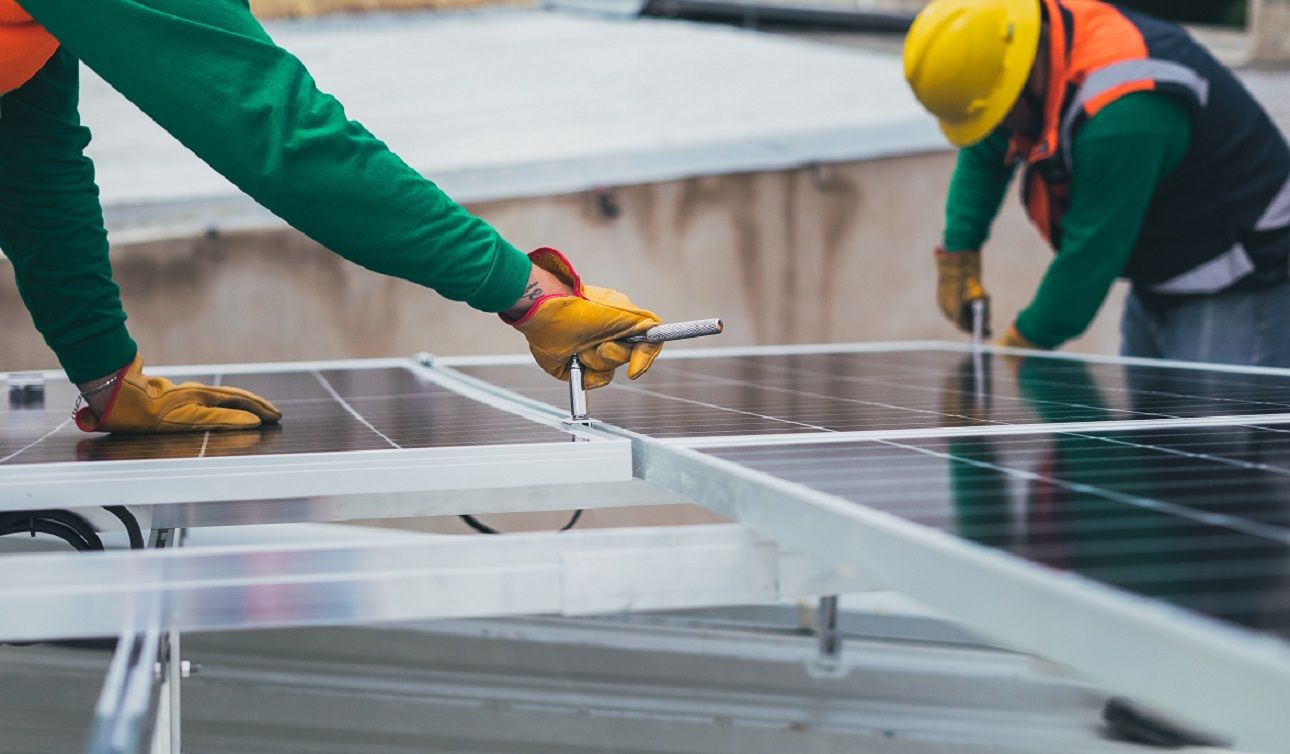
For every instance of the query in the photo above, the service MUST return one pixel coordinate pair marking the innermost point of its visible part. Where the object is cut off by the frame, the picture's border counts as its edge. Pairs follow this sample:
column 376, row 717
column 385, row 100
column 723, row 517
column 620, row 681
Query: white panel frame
column 478, row 476
column 1219, row 675
column 449, row 367
column 73, row 595
column 169, row 481
column 892, row 346
column 1224, row 677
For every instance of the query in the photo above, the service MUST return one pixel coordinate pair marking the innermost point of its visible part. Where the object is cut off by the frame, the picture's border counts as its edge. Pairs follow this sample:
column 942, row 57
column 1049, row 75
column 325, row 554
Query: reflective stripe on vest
column 25, row 46
column 1212, row 276
column 1105, row 85
column 1202, row 230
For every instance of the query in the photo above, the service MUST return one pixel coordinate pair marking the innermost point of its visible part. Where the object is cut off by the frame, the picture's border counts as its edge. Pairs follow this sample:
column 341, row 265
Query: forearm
column 976, row 192
column 539, row 285
column 1071, row 292
column 1121, row 157
column 210, row 75
column 51, row 225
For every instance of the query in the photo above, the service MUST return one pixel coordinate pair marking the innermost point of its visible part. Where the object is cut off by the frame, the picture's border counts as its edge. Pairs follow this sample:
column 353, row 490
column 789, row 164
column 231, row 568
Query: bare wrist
column 541, row 284
column 97, row 393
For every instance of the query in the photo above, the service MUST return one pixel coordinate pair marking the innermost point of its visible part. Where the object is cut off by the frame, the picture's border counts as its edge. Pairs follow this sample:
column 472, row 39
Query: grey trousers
column 1251, row 328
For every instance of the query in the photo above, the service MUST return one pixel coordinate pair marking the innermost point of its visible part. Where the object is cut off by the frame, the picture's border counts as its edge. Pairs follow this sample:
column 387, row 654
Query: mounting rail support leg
column 827, row 628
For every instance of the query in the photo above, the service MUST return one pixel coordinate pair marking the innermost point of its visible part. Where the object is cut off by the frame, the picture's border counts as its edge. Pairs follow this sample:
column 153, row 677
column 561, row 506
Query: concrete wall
column 1270, row 29
column 837, row 253
column 292, row 8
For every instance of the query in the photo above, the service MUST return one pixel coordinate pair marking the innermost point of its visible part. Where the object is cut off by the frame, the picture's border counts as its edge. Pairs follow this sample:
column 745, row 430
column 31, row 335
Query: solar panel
column 1198, row 517
column 325, row 411
column 1131, row 519
column 898, row 389
column 348, row 428
column 1128, row 518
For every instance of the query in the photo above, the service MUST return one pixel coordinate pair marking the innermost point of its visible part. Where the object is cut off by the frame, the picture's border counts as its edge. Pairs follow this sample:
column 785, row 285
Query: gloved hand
column 140, row 404
column 958, row 284
column 1014, row 339
column 587, row 323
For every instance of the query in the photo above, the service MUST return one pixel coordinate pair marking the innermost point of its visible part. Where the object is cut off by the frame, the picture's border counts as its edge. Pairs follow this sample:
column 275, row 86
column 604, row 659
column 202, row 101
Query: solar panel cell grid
column 897, row 390
column 327, row 411
column 1196, row 517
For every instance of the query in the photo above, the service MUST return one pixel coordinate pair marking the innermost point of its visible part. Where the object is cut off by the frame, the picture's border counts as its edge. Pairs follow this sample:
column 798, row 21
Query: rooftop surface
column 504, row 104
column 509, row 103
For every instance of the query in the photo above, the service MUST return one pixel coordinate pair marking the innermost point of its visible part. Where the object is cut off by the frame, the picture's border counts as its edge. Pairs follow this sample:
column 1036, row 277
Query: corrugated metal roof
column 506, row 104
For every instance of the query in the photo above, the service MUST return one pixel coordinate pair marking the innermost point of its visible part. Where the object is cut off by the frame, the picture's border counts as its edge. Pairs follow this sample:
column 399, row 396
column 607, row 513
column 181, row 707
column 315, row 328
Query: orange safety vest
column 1224, row 212
column 1109, row 38
column 25, row 46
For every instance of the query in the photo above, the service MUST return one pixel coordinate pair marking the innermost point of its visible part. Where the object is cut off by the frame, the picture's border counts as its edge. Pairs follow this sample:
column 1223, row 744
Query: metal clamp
column 658, row 334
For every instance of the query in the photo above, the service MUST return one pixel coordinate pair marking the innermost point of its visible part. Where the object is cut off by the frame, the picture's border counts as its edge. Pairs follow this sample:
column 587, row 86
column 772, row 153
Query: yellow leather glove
column 588, row 323
column 1014, row 339
column 958, row 284
column 141, row 404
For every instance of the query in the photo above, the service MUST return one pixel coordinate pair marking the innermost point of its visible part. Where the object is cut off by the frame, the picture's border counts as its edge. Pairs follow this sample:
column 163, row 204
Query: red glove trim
column 564, row 269
column 82, row 417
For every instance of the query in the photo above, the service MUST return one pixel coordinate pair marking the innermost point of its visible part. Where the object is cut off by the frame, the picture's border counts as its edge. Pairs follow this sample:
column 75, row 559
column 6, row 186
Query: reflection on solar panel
column 897, row 390
column 1131, row 520
column 1127, row 518
column 326, row 411
column 1196, row 517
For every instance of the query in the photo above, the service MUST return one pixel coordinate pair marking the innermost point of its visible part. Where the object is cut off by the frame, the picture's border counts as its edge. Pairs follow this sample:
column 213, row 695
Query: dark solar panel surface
column 897, row 390
column 326, row 411
column 1199, row 517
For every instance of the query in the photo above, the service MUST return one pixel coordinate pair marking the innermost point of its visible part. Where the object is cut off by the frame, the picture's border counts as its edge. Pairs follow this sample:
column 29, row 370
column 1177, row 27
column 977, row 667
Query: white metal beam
column 446, row 470
column 1226, row 678
column 570, row 573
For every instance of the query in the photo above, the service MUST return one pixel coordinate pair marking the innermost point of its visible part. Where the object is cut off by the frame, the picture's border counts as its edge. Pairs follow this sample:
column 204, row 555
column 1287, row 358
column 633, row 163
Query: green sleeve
column 208, row 73
column 1121, row 156
column 980, row 180
column 51, row 224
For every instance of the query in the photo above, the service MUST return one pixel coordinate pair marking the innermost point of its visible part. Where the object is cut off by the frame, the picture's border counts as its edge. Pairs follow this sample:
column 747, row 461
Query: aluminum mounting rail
column 76, row 595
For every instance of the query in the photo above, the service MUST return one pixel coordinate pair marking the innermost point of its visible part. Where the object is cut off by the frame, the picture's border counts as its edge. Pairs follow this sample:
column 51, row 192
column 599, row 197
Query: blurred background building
column 770, row 168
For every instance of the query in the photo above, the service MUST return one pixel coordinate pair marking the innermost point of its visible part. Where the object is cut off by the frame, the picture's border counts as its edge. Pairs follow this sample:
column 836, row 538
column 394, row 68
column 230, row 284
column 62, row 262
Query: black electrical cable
column 70, row 527
column 130, row 522
column 573, row 520
column 65, row 525
column 34, row 525
column 484, row 528
column 76, row 531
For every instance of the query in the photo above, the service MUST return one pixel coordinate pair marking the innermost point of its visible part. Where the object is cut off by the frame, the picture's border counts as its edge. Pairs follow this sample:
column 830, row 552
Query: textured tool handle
column 678, row 331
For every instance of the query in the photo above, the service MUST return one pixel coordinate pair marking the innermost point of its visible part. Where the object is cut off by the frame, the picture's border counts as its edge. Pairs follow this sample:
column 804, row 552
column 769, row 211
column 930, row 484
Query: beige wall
column 287, row 8
column 839, row 253
column 1271, row 30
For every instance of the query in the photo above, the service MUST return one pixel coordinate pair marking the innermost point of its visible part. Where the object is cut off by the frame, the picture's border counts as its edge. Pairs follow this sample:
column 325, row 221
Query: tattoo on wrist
column 532, row 292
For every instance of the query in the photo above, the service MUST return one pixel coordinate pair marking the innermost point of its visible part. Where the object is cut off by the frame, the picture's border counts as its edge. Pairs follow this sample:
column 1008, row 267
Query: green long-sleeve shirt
column 1120, row 156
column 208, row 73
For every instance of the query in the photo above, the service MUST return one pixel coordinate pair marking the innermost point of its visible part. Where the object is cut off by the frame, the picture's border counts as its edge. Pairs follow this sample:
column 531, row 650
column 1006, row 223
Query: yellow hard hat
column 968, row 60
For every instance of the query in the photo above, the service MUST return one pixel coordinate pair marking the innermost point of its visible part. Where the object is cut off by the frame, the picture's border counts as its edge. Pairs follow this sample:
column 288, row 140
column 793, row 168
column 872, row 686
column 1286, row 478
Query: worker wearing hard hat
column 209, row 74
column 1142, row 157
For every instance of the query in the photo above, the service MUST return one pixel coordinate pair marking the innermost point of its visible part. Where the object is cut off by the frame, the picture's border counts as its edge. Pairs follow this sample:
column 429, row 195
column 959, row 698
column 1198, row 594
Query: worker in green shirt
column 1141, row 157
column 208, row 73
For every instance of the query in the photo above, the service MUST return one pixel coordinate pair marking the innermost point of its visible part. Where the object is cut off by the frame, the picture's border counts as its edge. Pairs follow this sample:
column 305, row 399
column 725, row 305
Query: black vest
column 1222, row 218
